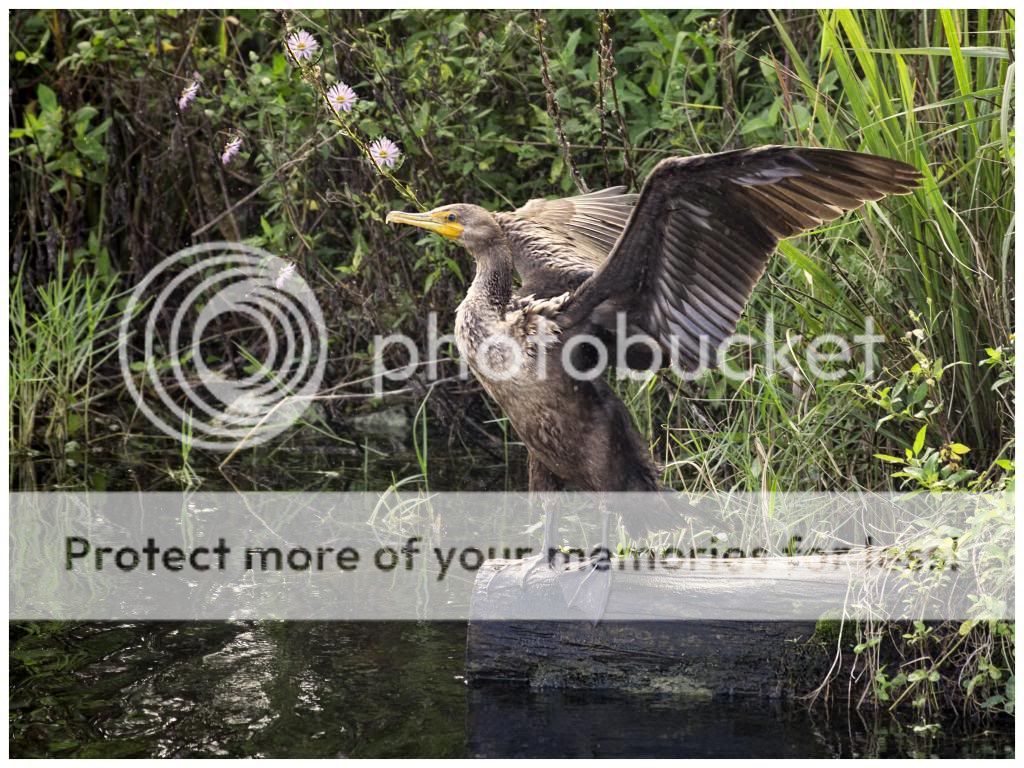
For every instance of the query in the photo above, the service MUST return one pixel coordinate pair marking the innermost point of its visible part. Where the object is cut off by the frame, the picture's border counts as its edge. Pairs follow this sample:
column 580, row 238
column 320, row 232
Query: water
column 313, row 689
column 307, row 689
column 264, row 689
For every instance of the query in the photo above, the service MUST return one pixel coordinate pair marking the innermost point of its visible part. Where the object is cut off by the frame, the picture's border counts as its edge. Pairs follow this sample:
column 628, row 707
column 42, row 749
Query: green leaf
column 84, row 115
column 888, row 458
column 919, row 440
column 101, row 129
column 959, row 448
column 978, row 51
column 91, row 149
column 768, row 117
column 569, row 52
column 222, row 40
column 47, row 98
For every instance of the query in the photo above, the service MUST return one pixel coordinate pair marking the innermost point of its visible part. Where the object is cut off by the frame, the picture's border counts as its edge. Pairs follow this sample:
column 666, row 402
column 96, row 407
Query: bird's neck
column 492, row 283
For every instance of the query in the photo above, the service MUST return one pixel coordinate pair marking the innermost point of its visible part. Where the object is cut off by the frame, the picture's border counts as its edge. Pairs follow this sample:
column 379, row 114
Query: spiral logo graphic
column 233, row 347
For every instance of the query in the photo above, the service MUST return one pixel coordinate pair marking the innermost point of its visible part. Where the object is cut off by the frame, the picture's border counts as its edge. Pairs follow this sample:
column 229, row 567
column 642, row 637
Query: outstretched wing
column 704, row 227
column 557, row 244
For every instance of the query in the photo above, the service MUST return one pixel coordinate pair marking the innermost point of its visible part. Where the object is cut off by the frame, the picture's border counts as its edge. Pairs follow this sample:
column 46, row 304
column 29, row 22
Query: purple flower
column 341, row 98
column 283, row 274
column 302, row 45
column 188, row 95
column 231, row 149
column 385, row 152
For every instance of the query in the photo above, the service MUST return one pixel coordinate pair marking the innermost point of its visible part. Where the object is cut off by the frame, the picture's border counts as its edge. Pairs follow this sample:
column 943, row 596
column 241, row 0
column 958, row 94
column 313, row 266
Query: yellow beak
column 434, row 222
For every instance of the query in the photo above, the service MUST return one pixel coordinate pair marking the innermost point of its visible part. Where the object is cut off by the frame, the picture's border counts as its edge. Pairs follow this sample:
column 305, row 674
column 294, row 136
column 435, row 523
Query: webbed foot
column 523, row 568
column 587, row 586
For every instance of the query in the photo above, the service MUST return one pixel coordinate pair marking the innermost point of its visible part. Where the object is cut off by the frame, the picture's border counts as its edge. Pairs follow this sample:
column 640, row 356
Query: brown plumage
column 557, row 244
column 678, row 261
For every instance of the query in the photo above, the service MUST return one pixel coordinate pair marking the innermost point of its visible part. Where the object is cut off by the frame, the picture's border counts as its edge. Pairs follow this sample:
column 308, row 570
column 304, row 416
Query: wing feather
column 556, row 244
column 703, row 228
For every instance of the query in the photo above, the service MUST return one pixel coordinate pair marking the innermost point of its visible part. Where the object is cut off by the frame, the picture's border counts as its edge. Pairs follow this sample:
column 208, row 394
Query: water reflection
column 508, row 723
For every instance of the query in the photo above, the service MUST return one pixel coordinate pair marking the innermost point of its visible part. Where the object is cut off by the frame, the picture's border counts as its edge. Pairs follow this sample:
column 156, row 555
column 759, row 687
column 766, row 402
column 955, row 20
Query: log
column 704, row 628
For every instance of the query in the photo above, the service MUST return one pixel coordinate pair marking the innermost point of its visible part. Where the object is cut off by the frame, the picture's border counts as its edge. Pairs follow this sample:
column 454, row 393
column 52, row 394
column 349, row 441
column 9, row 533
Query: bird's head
column 469, row 225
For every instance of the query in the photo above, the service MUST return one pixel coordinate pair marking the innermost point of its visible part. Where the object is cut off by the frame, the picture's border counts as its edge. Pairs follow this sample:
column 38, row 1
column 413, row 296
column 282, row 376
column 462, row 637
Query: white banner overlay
column 401, row 556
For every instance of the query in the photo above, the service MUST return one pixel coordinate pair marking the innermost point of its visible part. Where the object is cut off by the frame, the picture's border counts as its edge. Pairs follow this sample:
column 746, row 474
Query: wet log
column 705, row 628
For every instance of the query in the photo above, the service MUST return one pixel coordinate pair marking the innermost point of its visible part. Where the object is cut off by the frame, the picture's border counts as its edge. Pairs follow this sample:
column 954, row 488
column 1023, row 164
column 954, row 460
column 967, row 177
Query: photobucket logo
column 233, row 345
column 584, row 357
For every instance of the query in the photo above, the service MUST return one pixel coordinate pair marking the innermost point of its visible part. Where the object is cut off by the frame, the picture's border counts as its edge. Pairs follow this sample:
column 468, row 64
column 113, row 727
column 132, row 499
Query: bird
column 677, row 262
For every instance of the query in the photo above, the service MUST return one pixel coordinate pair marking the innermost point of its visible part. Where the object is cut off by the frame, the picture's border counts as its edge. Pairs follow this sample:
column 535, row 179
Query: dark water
column 309, row 689
column 306, row 689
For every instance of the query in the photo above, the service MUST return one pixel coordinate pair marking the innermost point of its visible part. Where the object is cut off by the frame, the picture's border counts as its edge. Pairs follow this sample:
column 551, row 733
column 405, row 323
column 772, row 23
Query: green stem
column 405, row 190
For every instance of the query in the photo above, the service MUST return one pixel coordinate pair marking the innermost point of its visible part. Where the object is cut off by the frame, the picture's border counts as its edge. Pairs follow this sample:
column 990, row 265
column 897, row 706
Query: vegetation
column 108, row 176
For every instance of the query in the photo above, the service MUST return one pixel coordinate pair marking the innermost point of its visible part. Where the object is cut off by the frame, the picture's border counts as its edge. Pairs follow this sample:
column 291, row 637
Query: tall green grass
column 936, row 264
column 938, row 96
column 56, row 348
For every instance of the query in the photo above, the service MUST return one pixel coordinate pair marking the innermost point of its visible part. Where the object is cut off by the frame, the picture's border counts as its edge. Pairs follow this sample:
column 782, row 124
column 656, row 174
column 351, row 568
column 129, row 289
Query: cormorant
column 677, row 262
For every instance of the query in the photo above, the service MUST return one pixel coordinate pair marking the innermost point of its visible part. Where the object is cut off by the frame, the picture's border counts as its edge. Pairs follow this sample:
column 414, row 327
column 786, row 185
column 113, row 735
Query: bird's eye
column 452, row 217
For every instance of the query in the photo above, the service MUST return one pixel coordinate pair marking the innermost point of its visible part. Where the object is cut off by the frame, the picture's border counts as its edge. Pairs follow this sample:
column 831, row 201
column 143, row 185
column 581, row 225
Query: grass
column 948, row 244
column 55, row 351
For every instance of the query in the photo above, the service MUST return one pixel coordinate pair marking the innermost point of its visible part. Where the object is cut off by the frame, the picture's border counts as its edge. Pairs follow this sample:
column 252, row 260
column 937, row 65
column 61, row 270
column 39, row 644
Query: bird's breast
column 502, row 348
